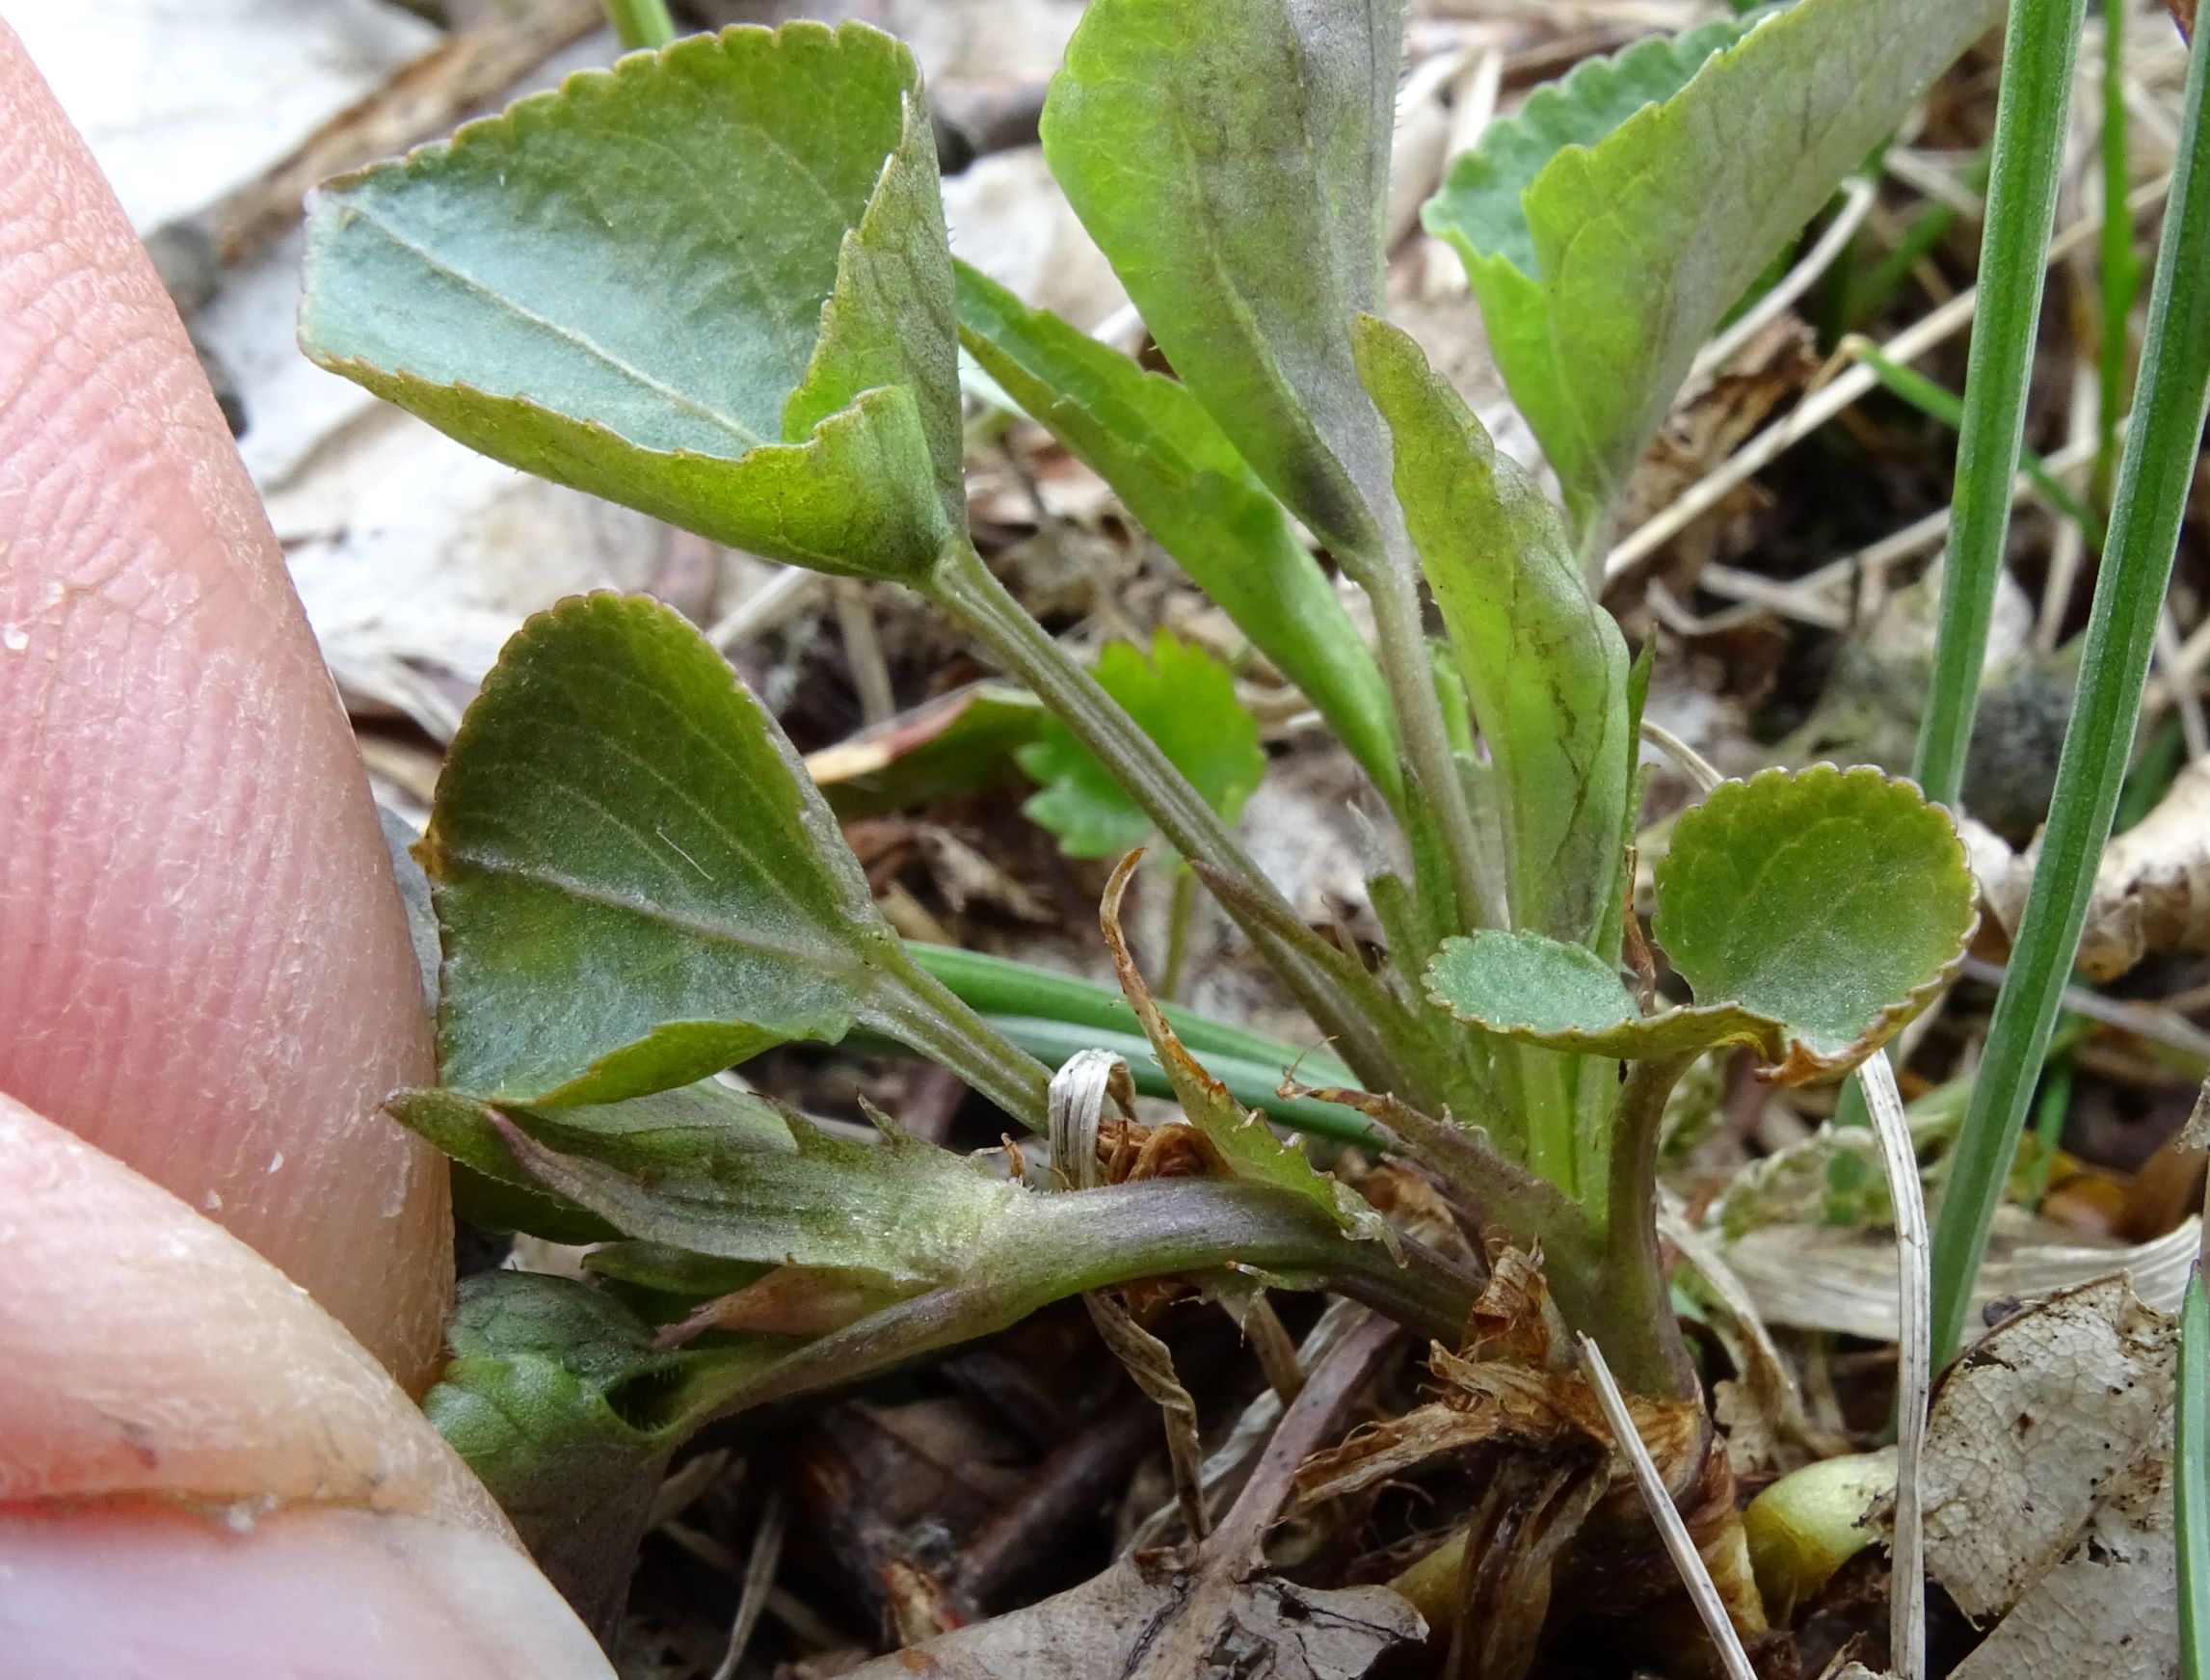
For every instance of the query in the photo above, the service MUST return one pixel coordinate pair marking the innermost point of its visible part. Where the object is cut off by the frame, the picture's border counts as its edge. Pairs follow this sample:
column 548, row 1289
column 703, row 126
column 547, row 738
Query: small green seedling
column 713, row 283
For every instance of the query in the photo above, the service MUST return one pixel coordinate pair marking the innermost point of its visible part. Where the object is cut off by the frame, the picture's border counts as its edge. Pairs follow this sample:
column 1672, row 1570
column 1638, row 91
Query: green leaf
column 1565, row 997
column 525, row 1403
column 710, row 282
column 1813, row 913
column 1232, row 158
column 902, row 1209
column 492, row 1188
column 1185, row 700
column 637, row 884
column 1176, row 471
column 1544, row 662
column 1636, row 233
column 1836, row 901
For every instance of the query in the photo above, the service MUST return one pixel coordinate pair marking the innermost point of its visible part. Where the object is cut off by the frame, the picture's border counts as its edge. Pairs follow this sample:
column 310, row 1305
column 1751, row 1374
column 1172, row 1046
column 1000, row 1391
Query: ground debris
column 2047, row 1484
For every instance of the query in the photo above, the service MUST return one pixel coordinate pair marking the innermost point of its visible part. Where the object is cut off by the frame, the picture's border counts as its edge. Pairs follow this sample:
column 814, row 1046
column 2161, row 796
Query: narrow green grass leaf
column 2162, row 443
column 1544, row 663
column 711, row 283
column 1635, row 236
column 1176, row 471
column 2191, row 1488
column 637, row 884
column 1182, row 697
column 1836, row 901
column 2041, row 51
column 1232, row 158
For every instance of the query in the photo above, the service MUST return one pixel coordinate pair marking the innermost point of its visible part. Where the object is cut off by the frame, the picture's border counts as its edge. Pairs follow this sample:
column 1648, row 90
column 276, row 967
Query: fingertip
column 94, row 1594
column 205, row 966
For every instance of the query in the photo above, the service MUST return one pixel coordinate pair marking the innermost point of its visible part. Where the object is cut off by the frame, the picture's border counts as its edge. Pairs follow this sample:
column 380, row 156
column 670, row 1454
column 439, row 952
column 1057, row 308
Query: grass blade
column 2153, row 482
column 2041, row 49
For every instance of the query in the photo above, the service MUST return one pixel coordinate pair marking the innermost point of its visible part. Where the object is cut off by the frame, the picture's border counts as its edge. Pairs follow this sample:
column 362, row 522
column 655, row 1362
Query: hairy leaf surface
column 711, row 283
column 636, row 883
column 1232, row 159
column 1639, row 226
column 1544, row 662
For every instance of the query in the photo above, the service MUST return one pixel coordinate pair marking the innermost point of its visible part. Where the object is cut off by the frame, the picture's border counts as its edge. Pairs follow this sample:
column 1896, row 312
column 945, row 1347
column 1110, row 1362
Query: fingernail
column 99, row 1593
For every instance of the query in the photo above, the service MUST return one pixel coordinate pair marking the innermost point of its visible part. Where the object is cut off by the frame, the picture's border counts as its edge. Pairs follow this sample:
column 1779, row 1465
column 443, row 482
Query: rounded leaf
column 1837, row 903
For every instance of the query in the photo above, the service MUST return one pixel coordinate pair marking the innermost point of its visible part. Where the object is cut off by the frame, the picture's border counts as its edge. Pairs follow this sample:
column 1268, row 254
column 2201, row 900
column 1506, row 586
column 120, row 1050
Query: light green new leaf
column 1837, row 901
column 1182, row 699
column 1813, row 913
column 637, row 884
column 1176, row 471
column 1565, row 997
column 1544, row 662
column 711, row 283
column 1638, row 230
column 1232, row 158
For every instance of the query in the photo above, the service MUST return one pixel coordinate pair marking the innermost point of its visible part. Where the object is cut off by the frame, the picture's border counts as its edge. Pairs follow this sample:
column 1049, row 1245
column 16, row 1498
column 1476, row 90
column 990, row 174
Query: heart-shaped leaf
column 1232, row 158
column 1544, row 663
column 711, row 283
column 1813, row 913
column 1182, row 697
column 1176, row 471
column 637, row 884
column 1641, row 228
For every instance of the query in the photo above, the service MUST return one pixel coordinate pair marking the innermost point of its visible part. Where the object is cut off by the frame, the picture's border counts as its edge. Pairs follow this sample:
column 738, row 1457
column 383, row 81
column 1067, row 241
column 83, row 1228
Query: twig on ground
column 1914, row 1375
column 1695, row 1576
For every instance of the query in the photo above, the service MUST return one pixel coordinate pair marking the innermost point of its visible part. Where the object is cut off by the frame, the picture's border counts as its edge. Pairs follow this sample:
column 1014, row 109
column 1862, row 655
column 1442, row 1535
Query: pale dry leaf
column 1008, row 218
column 1814, row 1277
column 180, row 103
column 2032, row 1432
column 2152, row 890
column 2106, row 1607
column 1273, row 1630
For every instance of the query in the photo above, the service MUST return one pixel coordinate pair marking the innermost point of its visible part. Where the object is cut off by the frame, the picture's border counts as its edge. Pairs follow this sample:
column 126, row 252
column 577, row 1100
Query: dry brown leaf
column 2152, row 890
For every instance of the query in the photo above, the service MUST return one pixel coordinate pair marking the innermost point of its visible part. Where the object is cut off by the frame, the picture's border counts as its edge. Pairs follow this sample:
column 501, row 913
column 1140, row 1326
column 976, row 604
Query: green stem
column 1433, row 784
column 1631, row 1314
column 1077, row 1241
column 927, row 1016
column 999, row 986
column 2121, row 265
column 2041, row 51
column 1938, row 402
column 963, row 587
column 2155, row 475
column 1180, row 912
column 641, row 23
